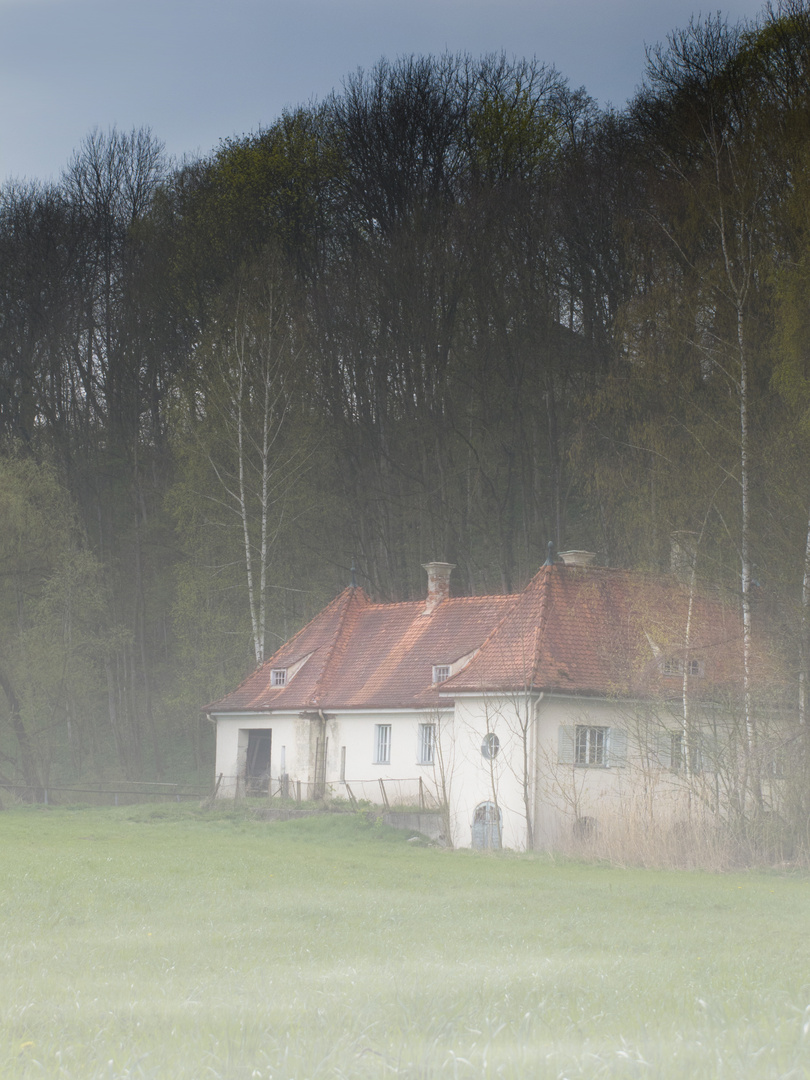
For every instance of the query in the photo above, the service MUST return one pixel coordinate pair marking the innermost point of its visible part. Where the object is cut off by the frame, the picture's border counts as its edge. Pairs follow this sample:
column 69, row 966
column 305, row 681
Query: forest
column 454, row 311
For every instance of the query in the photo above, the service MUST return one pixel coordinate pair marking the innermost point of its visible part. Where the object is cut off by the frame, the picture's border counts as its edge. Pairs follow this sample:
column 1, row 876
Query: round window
column 490, row 746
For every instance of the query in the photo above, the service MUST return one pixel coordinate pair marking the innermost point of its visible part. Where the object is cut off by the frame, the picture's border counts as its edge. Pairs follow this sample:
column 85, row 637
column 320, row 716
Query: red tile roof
column 572, row 630
column 600, row 632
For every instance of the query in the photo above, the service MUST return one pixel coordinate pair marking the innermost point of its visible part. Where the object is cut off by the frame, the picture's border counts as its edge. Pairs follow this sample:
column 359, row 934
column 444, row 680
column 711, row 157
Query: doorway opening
column 257, row 764
column 486, row 828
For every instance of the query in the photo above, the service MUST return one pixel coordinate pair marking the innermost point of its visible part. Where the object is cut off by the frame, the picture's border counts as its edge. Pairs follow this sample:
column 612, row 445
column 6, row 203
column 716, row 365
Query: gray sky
column 196, row 72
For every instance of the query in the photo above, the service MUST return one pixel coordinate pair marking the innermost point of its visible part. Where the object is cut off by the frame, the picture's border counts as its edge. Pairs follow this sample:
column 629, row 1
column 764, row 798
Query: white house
column 521, row 716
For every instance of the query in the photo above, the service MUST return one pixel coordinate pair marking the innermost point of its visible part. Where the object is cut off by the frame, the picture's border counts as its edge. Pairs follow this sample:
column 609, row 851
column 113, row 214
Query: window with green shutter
column 592, row 746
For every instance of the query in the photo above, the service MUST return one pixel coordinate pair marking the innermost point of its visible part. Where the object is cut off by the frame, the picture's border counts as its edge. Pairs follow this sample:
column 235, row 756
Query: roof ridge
column 342, row 620
column 545, row 587
column 482, row 598
column 513, row 598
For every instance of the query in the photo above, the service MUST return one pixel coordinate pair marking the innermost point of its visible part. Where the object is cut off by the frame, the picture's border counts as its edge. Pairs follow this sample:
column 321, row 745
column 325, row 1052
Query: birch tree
column 240, row 401
column 715, row 188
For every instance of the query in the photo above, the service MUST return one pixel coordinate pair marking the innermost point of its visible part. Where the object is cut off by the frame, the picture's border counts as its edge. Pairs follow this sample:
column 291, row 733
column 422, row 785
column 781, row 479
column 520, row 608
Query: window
column 490, row 746
column 441, row 672
column 382, row 744
column 486, row 827
column 673, row 665
column 278, row 677
column 672, row 752
column 427, row 737
column 676, row 751
column 591, row 745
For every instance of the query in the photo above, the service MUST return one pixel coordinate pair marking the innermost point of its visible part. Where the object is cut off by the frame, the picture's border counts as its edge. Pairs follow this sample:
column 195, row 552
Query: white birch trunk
column 804, row 632
column 244, row 515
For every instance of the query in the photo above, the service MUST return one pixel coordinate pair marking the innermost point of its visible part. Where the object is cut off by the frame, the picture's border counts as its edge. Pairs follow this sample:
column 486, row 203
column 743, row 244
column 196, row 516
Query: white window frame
column 676, row 751
column 490, row 747
column 591, row 745
column 673, row 667
column 278, row 677
column 441, row 672
column 382, row 744
column 425, row 751
column 579, row 745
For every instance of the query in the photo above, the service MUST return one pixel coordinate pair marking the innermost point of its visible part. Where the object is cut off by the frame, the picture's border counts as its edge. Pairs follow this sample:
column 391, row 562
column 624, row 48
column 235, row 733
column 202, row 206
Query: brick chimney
column 577, row 558
column 438, row 584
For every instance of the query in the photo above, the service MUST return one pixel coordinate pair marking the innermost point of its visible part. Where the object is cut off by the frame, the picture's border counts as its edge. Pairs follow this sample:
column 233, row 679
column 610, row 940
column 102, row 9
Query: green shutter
column 663, row 749
column 565, row 745
column 617, row 747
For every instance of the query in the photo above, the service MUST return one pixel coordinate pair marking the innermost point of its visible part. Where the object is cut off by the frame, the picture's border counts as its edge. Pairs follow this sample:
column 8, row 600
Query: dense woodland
column 453, row 312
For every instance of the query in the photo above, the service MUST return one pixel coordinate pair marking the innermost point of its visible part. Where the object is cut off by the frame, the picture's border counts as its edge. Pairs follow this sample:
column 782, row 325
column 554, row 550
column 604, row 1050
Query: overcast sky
column 196, row 71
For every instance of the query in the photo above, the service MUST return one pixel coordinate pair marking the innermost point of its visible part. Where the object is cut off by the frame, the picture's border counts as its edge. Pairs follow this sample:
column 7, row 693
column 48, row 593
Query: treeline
column 452, row 312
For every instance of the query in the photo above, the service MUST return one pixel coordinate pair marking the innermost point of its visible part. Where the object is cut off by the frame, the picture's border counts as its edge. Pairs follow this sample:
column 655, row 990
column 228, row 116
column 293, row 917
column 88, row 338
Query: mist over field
column 163, row 942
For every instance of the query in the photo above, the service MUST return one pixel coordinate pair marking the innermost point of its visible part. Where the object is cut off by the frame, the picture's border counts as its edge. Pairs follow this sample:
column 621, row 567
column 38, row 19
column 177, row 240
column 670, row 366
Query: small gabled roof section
column 313, row 649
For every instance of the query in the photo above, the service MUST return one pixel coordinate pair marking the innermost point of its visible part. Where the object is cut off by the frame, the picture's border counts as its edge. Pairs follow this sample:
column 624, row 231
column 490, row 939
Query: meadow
column 187, row 944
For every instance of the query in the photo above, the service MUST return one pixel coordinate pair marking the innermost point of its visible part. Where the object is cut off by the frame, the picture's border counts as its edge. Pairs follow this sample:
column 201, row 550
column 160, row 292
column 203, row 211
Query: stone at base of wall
column 429, row 825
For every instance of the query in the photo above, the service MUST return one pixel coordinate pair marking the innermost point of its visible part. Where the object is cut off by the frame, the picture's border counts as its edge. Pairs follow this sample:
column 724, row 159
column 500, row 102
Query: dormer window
column 441, row 672
column 278, row 677
column 673, row 665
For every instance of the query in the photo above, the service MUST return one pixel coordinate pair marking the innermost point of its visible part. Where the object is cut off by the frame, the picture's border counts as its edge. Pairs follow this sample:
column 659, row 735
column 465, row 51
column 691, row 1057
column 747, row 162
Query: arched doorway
column 487, row 827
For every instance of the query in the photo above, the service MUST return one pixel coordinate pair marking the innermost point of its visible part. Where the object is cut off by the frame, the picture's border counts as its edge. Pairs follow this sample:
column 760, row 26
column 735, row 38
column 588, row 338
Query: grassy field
column 166, row 942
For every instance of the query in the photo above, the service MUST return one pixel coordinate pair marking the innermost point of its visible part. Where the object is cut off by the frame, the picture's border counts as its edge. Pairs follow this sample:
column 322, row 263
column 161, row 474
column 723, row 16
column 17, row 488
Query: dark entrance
column 257, row 769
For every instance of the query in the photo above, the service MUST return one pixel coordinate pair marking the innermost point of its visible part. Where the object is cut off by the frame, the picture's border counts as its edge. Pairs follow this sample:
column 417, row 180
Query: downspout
column 320, row 766
column 535, row 757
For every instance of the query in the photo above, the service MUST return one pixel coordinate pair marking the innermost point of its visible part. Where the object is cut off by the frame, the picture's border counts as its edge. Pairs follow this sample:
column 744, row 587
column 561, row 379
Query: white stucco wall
column 351, row 740
column 231, row 746
column 559, row 793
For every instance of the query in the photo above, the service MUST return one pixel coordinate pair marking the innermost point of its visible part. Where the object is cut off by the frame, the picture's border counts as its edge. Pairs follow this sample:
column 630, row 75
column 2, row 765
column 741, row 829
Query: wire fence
column 411, row 792
column 113, row 793
column 408, row 792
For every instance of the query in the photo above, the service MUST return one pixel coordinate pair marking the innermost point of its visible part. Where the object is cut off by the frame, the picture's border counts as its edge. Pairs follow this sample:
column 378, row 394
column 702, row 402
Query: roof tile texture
column 572, row 630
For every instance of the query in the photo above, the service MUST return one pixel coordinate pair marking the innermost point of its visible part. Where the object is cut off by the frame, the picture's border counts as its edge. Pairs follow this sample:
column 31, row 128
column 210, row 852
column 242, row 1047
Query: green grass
column 166, row 942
